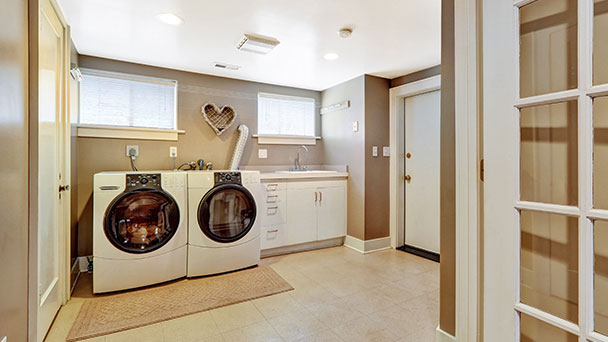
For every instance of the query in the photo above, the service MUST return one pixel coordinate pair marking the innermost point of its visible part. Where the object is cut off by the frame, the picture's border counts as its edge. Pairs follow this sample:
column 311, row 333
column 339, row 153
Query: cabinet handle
column 273, row 231
column 272, row 187
column 272, row 197
column 316, row 194
column 320, row 196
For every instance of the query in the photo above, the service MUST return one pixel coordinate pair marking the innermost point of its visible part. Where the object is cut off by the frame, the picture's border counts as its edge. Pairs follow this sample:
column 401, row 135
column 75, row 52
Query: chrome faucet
column 296, row 162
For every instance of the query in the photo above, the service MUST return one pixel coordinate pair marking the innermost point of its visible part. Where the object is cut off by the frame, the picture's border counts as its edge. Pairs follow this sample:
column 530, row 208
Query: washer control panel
column 227, row 177
column 143, row 181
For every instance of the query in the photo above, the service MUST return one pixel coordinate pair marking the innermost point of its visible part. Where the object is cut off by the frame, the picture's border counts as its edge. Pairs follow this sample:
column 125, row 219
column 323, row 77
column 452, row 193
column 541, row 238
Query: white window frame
column 128, row 132
column 280, row 139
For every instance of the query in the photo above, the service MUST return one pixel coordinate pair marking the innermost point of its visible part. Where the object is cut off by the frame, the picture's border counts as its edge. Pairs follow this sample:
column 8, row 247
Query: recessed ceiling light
column 332, row 56
column 171, row 19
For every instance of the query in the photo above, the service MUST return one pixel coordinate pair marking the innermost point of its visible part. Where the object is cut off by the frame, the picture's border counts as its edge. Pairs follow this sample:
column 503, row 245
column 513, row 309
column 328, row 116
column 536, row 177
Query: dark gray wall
column 14, row 169
column 416, row 76
column 447, row 317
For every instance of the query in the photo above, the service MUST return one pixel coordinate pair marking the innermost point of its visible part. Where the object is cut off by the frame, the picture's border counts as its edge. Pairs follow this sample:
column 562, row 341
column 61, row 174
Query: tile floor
column 340, row 295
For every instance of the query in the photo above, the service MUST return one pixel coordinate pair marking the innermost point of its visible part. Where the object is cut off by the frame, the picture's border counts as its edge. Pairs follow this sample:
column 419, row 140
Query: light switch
column 355, row 126
column 262, row 153
column 386, row 151
column 374, row 151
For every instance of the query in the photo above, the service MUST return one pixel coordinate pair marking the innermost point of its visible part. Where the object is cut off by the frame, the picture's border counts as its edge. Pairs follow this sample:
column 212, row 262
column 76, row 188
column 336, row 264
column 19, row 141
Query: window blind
column 286, row 115
column 113, row 99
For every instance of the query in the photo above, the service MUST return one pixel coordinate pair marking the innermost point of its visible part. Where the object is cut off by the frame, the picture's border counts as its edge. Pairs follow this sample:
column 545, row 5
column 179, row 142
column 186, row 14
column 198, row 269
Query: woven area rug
column 109, row 314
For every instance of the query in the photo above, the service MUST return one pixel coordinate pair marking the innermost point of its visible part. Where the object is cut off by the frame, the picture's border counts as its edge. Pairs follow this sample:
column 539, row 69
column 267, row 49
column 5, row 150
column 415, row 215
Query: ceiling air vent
column 226, row 66
column 257, row 44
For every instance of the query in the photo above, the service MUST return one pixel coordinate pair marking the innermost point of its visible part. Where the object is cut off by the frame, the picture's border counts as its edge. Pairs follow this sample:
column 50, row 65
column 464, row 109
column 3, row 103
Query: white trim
column 121, row 132
column 467, row 162
column 442, row 336
column 367, row 246
column 285, row 140
column 302, row 247
column 397, row 113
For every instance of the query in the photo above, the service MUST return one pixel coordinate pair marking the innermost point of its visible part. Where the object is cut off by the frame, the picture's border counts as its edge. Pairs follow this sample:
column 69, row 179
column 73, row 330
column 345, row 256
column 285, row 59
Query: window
column 286, row 116
column 117, row 101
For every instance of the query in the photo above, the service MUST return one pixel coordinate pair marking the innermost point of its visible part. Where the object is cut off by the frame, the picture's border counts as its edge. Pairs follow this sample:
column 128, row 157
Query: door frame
column 397, row 146
column 35, row 7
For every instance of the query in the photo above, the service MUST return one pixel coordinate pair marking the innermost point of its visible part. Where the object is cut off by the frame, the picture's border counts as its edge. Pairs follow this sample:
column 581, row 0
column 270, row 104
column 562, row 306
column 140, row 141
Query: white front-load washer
column 140, row 230
column 223, row 227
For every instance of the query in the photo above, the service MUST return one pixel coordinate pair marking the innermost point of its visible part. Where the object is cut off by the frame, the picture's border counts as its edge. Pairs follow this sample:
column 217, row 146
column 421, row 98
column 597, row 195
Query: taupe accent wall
column 342, row 146
column 14, row 169
column 416, row 76
column 447, row 316
column 199, row 142
column 377, row 125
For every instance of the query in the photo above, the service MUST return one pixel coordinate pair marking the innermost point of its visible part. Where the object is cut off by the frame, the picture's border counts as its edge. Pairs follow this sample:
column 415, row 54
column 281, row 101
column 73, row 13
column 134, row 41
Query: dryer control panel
column 227, row 177
column 143, row 181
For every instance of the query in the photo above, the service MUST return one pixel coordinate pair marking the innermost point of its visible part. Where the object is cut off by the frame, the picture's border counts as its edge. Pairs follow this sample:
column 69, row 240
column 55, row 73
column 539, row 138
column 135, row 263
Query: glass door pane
column 600, row 279
column 549, row 153
column 548, row 47
column 549, row 263
column 534, row 330
column 600, row 153
column 600, row 41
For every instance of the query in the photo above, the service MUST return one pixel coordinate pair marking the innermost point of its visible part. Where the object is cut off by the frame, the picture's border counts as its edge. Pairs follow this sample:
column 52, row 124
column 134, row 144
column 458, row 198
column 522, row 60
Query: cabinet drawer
column 274, row 197
column 273, row 235
column 274, row 213
column 271, row 187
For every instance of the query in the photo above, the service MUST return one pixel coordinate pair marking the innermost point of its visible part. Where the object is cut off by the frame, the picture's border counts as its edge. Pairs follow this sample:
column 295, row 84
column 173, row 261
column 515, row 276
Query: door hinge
column 481, row 170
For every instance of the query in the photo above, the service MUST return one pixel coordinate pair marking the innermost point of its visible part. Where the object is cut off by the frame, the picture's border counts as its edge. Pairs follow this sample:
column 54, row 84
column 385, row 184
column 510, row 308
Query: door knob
column 64, row 188
column 408, row 178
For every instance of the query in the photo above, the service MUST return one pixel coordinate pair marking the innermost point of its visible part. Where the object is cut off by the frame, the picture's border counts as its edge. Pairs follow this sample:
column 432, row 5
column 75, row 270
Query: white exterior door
column 331, row 218
column 422, row 164
column 52, row 120
column 546, row 165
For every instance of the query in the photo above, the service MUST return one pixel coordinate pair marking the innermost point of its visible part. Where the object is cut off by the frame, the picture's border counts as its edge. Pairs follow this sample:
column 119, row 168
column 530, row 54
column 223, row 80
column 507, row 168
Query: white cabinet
column 303, row 211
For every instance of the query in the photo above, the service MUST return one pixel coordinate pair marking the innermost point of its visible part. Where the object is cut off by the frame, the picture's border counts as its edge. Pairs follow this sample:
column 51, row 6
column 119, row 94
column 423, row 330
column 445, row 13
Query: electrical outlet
column 131, row 148
column 386, row 151
column 374, row 151
column 262, row 153
column 173, row 152
column 355, row 126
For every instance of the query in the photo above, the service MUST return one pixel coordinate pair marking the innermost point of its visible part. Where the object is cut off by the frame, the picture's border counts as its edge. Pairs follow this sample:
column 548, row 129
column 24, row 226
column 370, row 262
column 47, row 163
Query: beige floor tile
column 427, row 335
column 257, row 332
column 321, row 336
column 335, row 313
column 296, row 326
column 403, row 320
column 236, row 316
column 64, row 320
column 312, row 295
column 367, row 329
column 276, row 305
column 190, row 328
column 149, row 333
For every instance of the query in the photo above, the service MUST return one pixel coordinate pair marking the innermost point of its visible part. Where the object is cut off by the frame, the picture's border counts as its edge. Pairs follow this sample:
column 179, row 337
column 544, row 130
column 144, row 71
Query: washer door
column 226, row 213
column 141, row 221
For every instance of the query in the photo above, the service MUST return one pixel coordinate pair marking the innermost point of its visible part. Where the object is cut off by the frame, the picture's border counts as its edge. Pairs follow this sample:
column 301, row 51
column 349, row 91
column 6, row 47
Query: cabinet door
column 301, row 216
column 331, row 219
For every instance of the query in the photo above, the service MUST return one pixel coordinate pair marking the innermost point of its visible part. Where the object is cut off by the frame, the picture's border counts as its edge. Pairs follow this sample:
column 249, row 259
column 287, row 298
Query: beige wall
column 376, row 168
column 447, row 316
column 14, row 166
column 95, row 155
column 342, row 146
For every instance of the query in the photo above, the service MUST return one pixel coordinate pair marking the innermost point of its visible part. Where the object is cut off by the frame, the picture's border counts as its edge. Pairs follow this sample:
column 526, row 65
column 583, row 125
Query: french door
column 546, row 170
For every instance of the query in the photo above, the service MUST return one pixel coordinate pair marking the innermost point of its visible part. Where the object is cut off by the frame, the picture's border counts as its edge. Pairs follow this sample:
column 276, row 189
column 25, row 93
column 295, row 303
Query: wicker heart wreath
column 219, row 119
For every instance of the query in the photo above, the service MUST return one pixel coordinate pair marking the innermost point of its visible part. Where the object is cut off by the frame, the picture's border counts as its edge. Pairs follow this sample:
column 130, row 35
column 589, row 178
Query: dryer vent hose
column 239, row 148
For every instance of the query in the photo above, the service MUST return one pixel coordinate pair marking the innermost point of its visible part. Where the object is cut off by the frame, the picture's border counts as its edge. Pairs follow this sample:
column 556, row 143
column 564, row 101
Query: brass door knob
column 408, row 155
column 408, row 178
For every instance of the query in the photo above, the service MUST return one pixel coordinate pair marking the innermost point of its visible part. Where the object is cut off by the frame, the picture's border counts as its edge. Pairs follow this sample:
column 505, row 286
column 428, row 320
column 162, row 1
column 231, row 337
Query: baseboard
column 302, row 247
column 74, row 274
column 367, row 246
column 442, row 336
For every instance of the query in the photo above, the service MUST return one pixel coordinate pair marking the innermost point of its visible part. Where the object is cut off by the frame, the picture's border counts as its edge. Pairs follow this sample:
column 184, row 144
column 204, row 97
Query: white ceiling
column 391, row 37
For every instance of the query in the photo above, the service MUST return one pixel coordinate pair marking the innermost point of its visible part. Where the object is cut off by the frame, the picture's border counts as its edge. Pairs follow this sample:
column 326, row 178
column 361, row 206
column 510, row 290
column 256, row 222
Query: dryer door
column 141, row 221
column 226, row 213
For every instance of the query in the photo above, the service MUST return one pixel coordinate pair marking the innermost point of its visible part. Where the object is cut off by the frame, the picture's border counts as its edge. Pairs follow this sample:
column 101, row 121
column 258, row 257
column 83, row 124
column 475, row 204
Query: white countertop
column 302, row 175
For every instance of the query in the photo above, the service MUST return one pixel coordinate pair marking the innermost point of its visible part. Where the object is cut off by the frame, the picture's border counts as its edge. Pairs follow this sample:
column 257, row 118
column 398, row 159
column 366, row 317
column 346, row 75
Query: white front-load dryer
column 140, row 230
column 223, row 228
